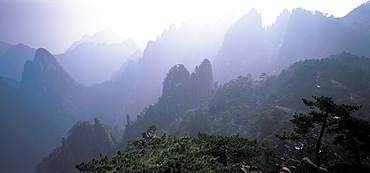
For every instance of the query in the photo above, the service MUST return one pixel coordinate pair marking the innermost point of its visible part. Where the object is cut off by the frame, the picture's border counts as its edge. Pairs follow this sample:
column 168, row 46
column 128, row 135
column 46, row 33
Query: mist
column 215, row 93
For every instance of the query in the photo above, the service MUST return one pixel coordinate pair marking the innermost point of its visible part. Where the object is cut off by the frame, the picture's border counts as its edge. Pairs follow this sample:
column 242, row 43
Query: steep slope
column 188, row 45
column 258, row 109
column 45, row 82
column 344, row 77
column 250, row 48
column 254, row 109
column 140, row 83
column 35, row 112
column 313, row 35
column 202, row 86
column 358, row 18
column 13, row 59
column 244, row 48
column 23, row 139
column 181, row 91
column 85, row 142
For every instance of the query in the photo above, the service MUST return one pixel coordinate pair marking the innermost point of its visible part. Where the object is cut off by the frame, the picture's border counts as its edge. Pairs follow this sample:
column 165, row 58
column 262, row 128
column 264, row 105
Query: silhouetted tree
column 353, row 134
column 324, row 114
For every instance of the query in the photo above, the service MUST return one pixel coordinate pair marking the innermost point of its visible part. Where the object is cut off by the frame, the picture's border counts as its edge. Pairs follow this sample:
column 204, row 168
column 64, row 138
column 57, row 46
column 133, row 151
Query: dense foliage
column 230, row 115
column 207, row 153
column 328, row 122
column 181, row 92
column 85, row 141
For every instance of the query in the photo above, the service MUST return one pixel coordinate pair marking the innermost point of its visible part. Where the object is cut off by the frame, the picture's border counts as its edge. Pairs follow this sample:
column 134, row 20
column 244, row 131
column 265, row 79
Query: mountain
column 243, row 50
column 52, row 101
column 12, row 59
column 101, row 57
column 38, row 109
column 313, row 35
column 4, row 47
column 134, row 57
column 106, row 36
column 100, row 61
column 256, row 109
column 44, row 78
column 250, row 48
column 344, row 77
column 85, row 142
column 181, row 91
column 35, row 112
column 23, row 137
column 140, row 83
column 358, row 18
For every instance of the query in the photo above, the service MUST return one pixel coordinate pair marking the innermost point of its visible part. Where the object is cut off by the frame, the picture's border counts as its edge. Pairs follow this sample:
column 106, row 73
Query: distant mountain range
column 254, row 109
column 250, row 48
column 12, row 59
column 43, row 95
column 48, row 95
column 94, row 63
column 106, row 36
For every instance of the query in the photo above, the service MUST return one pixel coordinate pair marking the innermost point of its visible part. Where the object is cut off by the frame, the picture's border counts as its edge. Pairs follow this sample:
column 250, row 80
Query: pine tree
column 325, row 113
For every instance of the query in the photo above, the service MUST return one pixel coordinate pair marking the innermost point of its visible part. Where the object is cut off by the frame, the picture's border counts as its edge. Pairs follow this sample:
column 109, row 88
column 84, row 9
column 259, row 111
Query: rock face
column 358, row 18
column 176, row 86
column 140, row 83
column 243, row 48
column 85, row 141
column 35, row 112
column 185, row 90
column 202, row 86
column 45, row 72
column 250, row 48
column 45, row 81
column 181, row 91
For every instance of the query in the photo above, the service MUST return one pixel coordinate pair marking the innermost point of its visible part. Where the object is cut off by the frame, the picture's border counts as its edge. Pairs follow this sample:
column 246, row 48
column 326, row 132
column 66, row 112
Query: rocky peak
column 282, row 21
column 177, row 79
column 249, row 23
column 202, row 82
column 43, row 76
column 45, row 61
column 203, row 73
column 358, row 18
column 244, row 44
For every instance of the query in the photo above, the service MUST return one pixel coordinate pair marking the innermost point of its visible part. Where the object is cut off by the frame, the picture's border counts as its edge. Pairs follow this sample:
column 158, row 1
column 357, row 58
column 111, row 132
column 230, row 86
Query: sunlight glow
column 146, row 19
column 142, row 20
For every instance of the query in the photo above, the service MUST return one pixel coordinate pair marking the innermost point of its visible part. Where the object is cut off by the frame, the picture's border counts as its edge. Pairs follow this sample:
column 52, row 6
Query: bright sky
column 56, row 24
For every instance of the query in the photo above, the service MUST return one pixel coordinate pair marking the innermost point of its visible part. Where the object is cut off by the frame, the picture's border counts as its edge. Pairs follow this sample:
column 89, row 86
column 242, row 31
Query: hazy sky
column 56, row 24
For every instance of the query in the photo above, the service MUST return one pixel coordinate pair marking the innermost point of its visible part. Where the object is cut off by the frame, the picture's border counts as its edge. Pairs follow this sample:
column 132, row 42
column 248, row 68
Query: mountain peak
column 359, row 16
column 253, row 11
column 105, row 36
column 44, row 74
column 45, row 60
column 251, row 19
column 42, row 53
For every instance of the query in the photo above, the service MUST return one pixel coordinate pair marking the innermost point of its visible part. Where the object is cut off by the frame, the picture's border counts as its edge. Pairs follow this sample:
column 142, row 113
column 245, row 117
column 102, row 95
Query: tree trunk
column 357, row 156
column 318, row 144
column 224, row 155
